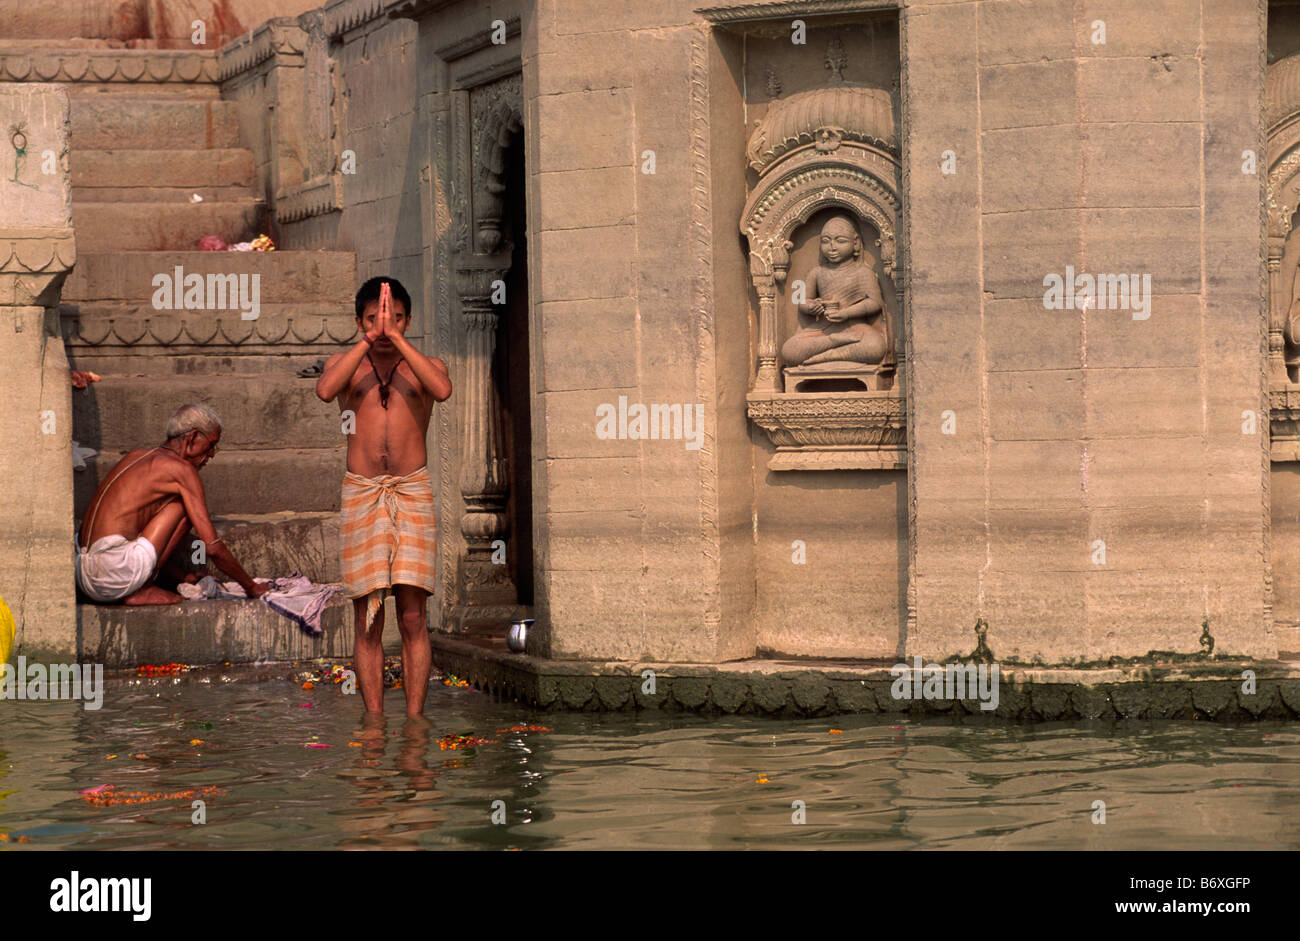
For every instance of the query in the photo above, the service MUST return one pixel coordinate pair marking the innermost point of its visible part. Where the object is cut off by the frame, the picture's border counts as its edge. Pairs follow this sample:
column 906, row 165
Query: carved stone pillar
column 1279, row 302
column 483, row 481
column 37, row 250
column 766, row 380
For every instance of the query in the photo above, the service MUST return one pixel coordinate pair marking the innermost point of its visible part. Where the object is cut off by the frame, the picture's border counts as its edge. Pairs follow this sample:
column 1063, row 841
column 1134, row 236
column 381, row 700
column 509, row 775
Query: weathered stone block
column 1155, row 29
column 1021, row 248
column 1046, row 403
column 1026, row 30
column 1146, row 402
column 566, row 269
column 585, row 130
column 1047, row 174
column 690, row 692
column 1114, row 174
column 1029, row 473
column 1021, row 334
column 854, row 696
column 1091, row 702
column 1163, row 243
column 1169, row 336
column 1213, row 697
column 1049, row 701
column 1028, row 94
column 769, row 694
column 729, row 692
column 1171, row 89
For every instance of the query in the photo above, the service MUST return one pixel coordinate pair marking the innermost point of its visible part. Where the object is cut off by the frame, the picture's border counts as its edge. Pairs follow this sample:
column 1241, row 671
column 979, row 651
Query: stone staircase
column 140, row 151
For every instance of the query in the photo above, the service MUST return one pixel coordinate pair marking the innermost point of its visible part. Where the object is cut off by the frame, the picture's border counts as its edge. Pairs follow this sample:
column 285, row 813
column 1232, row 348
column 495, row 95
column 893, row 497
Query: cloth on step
column 294, row 596
column 297, row 598
column 115, row 567
column 388, row 535
column 208, row 588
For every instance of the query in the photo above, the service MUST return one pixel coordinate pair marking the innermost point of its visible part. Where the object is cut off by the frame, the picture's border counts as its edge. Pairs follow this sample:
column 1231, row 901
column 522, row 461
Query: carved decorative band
column 278, row 37
column 830, row 431
column 25, row 251
column 1283, row 192
column 480, row 39
column 344, row 15
column 224, row 329
column 1282, row 85
column 107, row 65
column 316, row 197
column 761, row 11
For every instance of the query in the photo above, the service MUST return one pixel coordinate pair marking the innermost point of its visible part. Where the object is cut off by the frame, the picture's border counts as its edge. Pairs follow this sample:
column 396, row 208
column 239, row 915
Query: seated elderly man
column 144, row 507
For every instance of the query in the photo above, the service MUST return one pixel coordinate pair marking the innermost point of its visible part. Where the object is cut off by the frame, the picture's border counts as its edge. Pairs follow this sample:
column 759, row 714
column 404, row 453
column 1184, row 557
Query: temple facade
column 815, row 328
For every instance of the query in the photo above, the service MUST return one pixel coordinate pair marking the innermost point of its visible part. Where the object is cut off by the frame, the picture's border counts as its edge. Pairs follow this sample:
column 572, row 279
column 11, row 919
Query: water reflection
column 310, row 770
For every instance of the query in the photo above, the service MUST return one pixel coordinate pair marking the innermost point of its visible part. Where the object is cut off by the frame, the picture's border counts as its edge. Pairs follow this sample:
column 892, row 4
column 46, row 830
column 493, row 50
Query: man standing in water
column 388, row 533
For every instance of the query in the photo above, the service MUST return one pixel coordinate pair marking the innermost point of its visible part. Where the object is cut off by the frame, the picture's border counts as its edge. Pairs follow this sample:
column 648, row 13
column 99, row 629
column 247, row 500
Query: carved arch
column 497, row 121
column 856, row 177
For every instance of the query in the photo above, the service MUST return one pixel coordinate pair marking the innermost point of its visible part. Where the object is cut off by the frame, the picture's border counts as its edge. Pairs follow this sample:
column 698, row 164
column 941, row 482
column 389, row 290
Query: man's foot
column 152, row 594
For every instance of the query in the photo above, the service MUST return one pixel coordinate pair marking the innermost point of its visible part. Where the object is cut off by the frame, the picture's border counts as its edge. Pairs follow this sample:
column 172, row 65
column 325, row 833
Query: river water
column 251, row 751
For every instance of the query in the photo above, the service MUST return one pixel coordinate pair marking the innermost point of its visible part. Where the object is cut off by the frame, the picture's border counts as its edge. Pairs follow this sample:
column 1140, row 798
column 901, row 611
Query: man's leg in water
column 368, row 656
column 417, row 653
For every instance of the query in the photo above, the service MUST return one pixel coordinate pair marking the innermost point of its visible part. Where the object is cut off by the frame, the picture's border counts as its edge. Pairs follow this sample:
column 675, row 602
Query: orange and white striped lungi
column 388, row 535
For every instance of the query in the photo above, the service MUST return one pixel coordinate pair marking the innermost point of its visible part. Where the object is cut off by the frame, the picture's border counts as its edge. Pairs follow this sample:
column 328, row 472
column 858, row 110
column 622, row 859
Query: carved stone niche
column 1283, row 199
column 828, row 149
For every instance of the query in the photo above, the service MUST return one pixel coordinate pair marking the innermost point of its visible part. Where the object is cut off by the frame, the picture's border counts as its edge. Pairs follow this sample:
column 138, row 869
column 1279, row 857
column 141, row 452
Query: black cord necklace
column 383, row 383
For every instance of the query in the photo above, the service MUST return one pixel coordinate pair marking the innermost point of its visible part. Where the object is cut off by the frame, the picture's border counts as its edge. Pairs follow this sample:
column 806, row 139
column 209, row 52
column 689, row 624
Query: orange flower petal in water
column 837, row 732
column 309, row 685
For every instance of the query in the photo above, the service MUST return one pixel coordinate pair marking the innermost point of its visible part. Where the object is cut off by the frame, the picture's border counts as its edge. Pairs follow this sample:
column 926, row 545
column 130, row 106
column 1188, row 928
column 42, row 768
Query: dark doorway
column 510, row 378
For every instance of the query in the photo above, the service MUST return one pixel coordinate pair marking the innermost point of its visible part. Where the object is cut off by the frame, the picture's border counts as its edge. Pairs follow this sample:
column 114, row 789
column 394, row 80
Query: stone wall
column 648, row 545
column 1082, row 480
column 36, row 252
column 1074, row 428
column 376, row 80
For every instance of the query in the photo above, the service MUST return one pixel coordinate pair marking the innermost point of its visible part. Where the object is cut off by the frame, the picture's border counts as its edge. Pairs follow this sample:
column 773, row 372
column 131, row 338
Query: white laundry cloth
column 115, row 567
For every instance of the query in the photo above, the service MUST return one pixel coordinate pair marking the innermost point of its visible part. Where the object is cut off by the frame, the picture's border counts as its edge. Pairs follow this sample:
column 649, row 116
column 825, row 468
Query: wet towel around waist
column 388, row 535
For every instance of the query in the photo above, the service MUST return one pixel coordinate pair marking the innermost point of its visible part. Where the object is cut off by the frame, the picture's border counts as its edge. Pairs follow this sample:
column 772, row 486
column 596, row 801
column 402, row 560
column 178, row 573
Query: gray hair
column 194, row 417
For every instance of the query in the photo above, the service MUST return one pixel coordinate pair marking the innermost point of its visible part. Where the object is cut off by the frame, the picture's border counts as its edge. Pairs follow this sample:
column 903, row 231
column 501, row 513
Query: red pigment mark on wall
column 225, row 24
column 129, row 21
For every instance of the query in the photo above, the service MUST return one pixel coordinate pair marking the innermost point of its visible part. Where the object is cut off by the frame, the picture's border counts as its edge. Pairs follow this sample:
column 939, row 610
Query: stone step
column 94, row 64
column 257, row 412
column 270, row 544
column 137, row 122
column 216, row 632
column 204, row 361
column 286, row 277
column 242, row 482
column 160, row 194
column 136, row 170
column 153, row 227
column 199, row 632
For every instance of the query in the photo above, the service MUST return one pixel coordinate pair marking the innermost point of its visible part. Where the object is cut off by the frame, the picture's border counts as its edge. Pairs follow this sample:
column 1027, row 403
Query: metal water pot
column 517, row 636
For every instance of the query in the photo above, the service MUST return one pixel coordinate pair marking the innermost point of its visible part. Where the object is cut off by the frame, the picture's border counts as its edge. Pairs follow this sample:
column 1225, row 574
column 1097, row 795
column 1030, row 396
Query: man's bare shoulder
column 170, row 467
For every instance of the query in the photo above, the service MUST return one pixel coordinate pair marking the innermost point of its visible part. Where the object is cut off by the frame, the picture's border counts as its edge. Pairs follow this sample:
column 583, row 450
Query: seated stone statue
column 842, row 320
